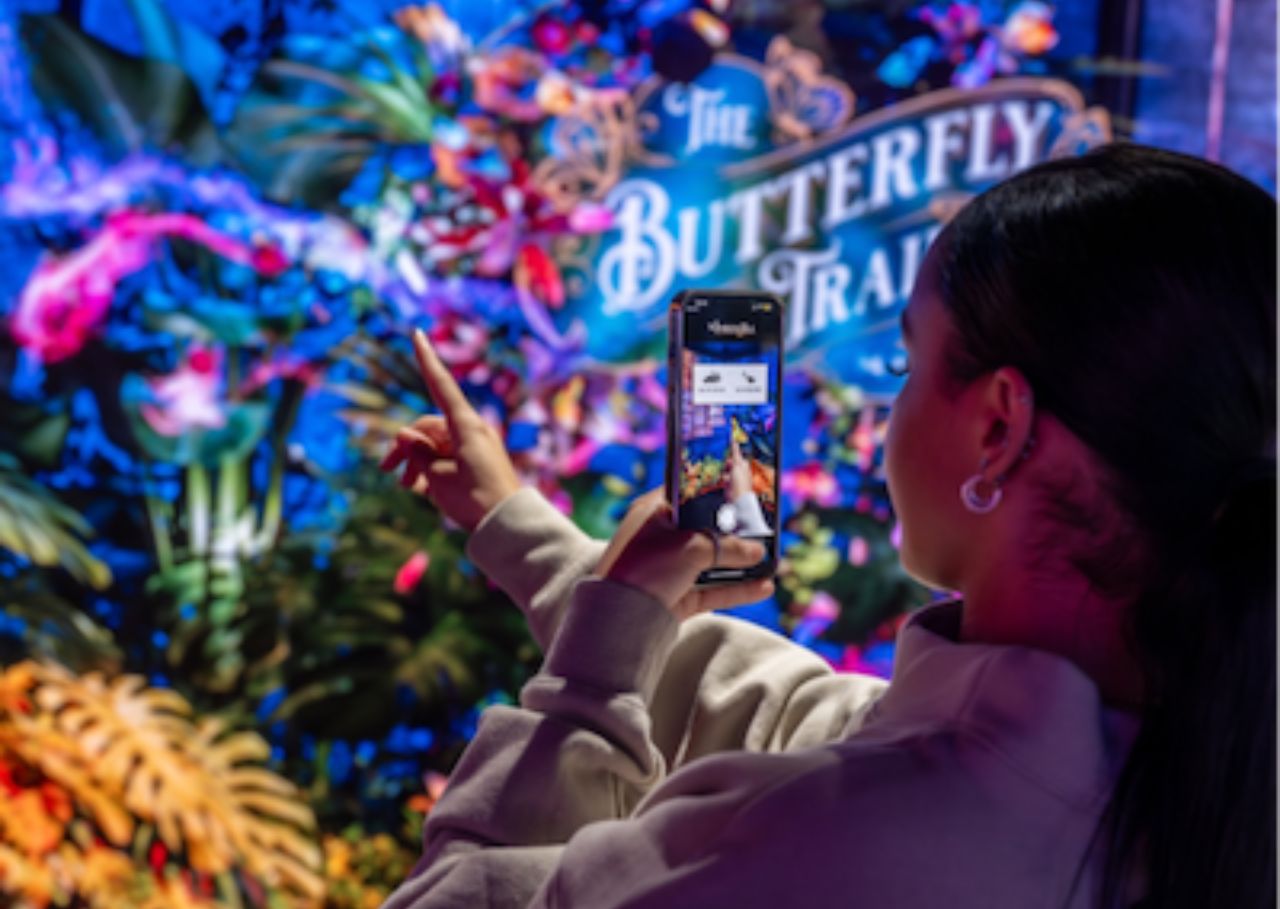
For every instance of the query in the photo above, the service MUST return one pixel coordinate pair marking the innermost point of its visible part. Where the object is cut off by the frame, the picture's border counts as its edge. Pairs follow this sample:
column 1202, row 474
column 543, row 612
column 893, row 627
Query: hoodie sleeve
column 623, row 696
column 728, row 684
column 535, row 554
column 578, row 749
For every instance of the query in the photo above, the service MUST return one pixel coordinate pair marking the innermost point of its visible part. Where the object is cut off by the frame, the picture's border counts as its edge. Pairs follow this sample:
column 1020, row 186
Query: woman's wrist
column 490, row 505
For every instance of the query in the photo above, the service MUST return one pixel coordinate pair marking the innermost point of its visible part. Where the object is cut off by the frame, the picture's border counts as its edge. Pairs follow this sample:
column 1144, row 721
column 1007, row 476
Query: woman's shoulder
column 845, row 813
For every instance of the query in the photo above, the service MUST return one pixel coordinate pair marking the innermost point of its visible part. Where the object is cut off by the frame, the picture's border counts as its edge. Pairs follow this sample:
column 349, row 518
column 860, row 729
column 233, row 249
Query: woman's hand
column 650, row 553
column 456, row 459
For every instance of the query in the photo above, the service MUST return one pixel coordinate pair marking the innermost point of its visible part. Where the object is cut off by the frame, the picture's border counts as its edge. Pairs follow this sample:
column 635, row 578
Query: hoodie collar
column 1037, row 708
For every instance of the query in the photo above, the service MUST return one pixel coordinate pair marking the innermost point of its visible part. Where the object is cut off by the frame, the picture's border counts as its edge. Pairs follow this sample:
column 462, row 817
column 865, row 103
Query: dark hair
column 1135, row 289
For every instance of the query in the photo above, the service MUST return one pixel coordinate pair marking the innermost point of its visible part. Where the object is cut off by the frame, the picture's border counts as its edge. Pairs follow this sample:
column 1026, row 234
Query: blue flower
column 366, row 186
column 904, row 65
column 270, row 702
column 412, row 162
column 12, row 625
column 340, row 762
column 26, row 383
column 522, row 436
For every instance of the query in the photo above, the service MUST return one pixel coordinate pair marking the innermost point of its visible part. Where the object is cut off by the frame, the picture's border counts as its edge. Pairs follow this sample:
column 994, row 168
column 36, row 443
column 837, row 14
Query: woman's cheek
column 893, row 447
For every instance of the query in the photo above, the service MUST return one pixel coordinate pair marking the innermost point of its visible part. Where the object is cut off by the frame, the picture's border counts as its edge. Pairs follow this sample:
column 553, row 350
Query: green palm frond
column 445, row 660
column 36, row 526
column 310, row 149
column 53, row 628
column 377, row 407
column 128, row 102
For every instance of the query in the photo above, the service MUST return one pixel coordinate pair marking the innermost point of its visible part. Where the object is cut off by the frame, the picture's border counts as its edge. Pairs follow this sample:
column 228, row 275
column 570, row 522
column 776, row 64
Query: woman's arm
column 624, row 695
column 530, row 549
column 727, row 684
column 577, row 750
column 536, row 554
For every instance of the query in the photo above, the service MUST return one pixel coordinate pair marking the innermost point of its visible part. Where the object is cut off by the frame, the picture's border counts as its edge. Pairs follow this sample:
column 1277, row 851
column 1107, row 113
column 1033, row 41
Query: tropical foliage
column 90, row 763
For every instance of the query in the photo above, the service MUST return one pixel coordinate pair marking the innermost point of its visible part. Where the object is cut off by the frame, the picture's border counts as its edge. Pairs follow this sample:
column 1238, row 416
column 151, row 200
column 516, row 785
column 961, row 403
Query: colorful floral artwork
column 237, row 662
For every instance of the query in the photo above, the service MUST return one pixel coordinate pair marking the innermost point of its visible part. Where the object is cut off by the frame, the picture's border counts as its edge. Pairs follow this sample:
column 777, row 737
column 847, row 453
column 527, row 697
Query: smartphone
column 724, row 419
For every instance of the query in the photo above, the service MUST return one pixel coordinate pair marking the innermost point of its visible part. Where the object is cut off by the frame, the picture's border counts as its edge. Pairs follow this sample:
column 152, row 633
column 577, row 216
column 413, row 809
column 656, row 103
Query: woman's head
column 1099, row 342
column 1130, row 294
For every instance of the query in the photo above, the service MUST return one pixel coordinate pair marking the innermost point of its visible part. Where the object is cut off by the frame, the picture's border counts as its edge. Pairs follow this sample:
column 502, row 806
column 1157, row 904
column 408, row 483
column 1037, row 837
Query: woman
column 1085, row 450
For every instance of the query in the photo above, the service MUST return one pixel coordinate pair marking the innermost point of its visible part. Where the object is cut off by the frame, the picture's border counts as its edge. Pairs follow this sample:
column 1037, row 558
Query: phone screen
column 726, row 382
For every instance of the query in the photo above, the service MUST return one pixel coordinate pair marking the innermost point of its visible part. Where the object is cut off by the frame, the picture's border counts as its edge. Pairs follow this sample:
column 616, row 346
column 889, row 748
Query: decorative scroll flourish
column 802, row 102
column 590, row 146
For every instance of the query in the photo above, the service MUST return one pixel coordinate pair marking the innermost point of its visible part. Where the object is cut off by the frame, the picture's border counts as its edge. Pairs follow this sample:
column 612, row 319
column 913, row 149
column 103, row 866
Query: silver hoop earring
column 973, row 500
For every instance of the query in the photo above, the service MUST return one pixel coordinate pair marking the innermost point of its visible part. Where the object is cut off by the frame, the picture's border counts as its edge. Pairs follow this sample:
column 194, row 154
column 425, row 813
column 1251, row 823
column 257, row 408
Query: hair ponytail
column 1210, row 647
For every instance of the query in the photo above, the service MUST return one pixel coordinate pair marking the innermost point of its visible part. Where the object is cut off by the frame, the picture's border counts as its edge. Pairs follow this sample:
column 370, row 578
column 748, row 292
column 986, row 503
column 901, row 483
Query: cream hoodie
column 714, row 763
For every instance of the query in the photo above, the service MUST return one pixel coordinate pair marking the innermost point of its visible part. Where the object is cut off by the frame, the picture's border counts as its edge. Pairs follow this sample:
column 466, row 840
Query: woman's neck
column 1061, row 615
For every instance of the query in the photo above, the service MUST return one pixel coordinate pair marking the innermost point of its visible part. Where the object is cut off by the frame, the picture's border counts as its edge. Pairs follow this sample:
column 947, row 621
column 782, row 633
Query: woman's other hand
column 456, row 459
column 650, row 553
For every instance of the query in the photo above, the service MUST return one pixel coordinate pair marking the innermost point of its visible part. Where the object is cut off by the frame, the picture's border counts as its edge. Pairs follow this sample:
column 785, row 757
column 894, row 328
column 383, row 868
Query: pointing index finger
column 444, row 391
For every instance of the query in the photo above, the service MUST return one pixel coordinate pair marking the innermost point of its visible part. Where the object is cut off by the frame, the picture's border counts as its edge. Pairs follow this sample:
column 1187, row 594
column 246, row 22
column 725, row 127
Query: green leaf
column 34, row 524
column 127, row 102
column 55, row 629
column 43, row 442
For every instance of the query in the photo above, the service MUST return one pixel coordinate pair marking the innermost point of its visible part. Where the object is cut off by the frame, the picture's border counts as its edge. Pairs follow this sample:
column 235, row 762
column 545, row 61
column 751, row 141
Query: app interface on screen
column 728, row 412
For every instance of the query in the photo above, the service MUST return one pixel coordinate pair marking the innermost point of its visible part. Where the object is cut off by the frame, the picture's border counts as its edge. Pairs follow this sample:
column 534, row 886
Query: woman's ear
column 1008, row 408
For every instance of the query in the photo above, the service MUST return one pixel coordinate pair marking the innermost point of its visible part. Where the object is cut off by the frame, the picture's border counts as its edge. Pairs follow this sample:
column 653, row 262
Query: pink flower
column 819, row 613
column 436, row 783
column 811, row 483
column 288, row 366
column 822, row 608
column 411, row 573
column 187, row 398
column 858, row 551
column 853, row 660
column 590, row 218
column 268, row 261
column 552, row 36
column 67, row 297
column 61, row 306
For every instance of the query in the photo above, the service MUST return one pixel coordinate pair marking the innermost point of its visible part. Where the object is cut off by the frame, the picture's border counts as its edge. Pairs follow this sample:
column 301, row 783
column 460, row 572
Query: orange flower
column 30, row 827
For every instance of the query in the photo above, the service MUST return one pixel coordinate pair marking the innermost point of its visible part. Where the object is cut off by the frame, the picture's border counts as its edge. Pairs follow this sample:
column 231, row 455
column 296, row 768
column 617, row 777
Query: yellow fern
column 126, row 754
